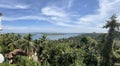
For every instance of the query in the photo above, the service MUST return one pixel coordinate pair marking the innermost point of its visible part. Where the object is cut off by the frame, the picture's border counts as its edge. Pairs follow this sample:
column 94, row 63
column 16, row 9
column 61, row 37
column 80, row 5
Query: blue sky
column 70, row 16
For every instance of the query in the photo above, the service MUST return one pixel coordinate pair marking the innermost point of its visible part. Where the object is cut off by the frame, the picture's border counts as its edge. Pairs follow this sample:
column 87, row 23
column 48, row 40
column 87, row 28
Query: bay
column 55, row 36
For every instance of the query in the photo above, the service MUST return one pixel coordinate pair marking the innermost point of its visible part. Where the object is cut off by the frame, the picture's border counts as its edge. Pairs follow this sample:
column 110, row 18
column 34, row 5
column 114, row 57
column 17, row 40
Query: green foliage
column 49, row 52
column 22, row 61
column 25, row 61
column 90, row 60
column 107, row 52
column 6, row 64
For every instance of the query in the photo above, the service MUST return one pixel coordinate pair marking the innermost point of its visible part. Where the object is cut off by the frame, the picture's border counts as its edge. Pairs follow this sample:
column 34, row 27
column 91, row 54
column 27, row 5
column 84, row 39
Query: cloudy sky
column 74, row 16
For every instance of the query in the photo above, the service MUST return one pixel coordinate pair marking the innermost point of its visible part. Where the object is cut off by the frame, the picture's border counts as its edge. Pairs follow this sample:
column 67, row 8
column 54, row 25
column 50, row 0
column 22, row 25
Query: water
column 56, row 36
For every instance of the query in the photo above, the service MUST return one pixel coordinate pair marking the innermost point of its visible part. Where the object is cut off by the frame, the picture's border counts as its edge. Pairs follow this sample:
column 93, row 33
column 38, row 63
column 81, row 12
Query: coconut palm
column 27, row 44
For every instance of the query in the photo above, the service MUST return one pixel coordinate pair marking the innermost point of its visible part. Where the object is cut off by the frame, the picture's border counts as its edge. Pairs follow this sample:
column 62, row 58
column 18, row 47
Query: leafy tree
column 107, row 52
column 90, row 59
column 90, row 47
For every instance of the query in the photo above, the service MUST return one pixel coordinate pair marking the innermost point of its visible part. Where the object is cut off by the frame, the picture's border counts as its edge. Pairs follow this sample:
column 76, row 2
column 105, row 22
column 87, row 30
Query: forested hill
column 77, row 39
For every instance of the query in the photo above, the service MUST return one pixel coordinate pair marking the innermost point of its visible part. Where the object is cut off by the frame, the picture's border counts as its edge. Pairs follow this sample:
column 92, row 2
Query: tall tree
column 27, row 44
column 107, row 54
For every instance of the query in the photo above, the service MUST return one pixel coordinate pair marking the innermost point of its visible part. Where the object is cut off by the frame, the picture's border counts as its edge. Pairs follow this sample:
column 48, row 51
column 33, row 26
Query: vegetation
column 113, row 27
column 91, row 49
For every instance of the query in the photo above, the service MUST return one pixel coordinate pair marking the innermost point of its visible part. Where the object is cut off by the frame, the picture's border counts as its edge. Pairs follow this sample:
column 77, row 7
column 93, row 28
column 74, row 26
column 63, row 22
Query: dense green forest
column 89, row 49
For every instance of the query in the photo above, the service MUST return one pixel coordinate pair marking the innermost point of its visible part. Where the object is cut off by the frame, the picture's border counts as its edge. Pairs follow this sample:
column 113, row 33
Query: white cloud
column 63, row 24
column 105, row 10
column 61, row 19
column 15, row 28
column 53, row 11
column 49, row 29
column 22, row 6
column 56, row 15
column 24, row 18
column 29, row 29
column 53, row 20
column 14, row 6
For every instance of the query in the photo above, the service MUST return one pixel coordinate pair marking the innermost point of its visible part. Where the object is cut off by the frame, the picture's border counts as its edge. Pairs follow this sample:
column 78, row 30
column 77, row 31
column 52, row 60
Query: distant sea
column 55, row 36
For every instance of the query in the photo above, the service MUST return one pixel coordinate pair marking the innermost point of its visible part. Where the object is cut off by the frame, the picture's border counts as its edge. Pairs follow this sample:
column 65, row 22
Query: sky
column 65, row 16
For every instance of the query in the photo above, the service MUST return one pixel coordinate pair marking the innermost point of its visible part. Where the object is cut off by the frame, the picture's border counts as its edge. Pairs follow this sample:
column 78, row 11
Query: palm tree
column 107, row 53
column 27, row 44
column 28, row 37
